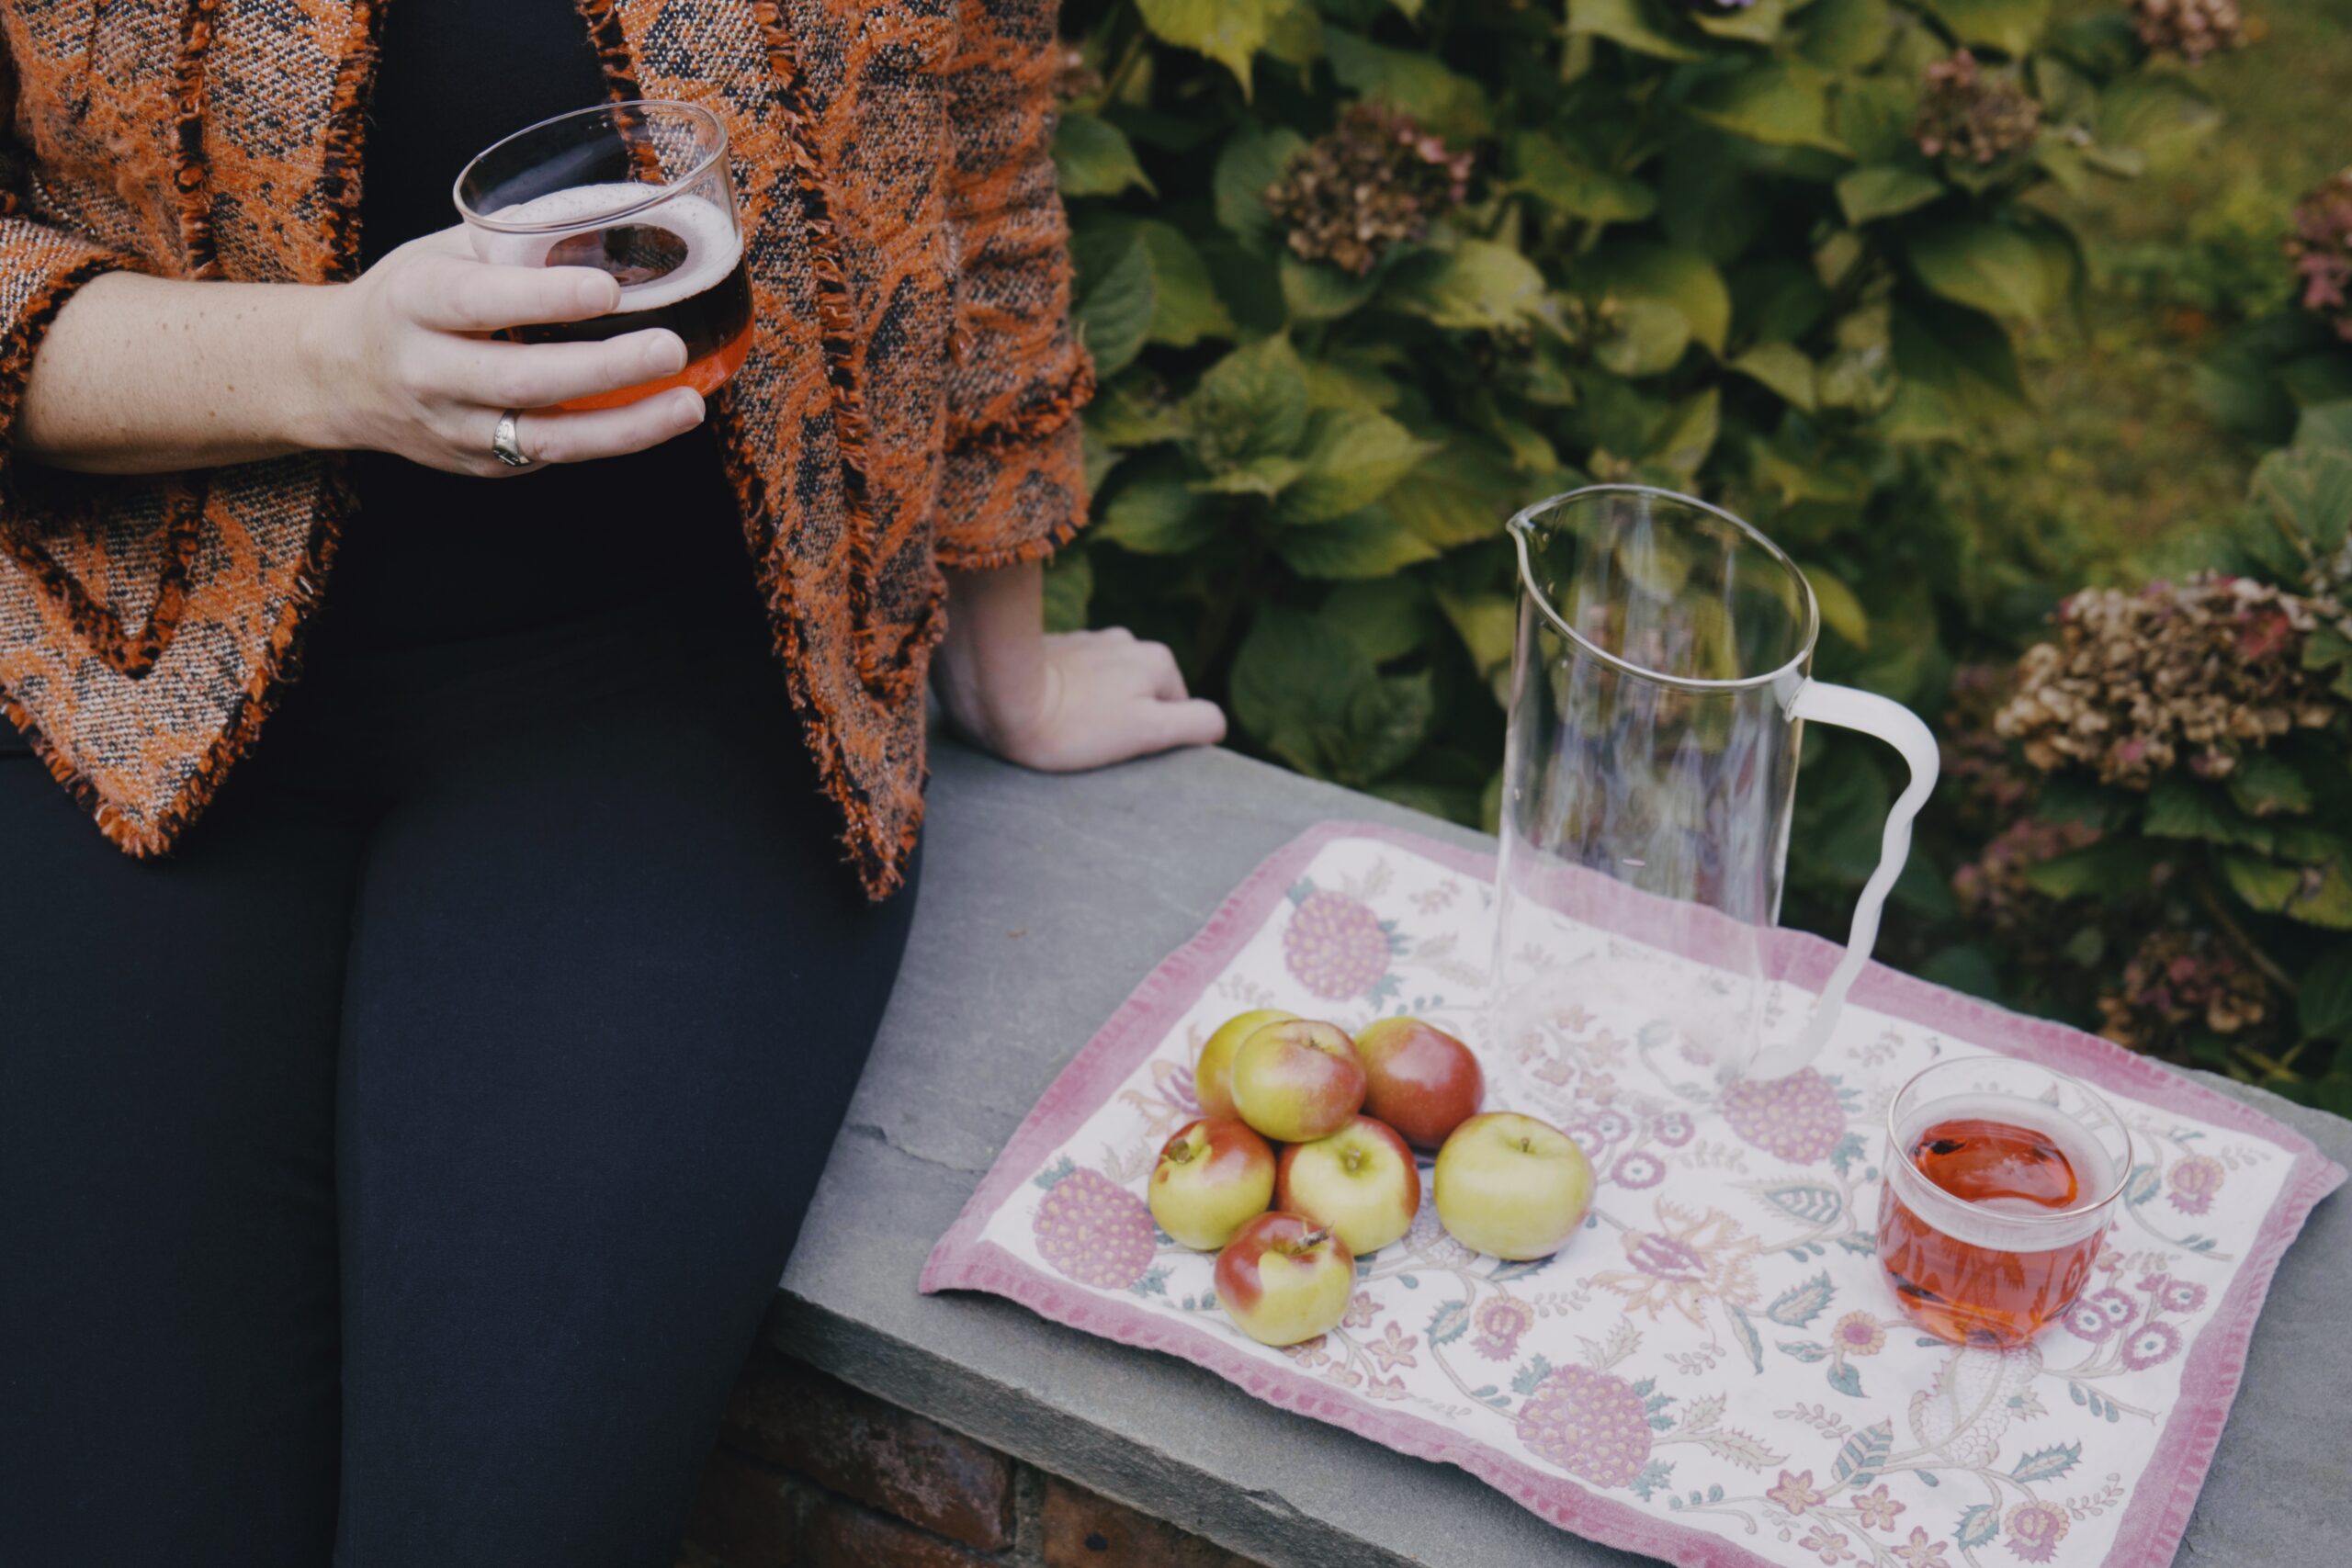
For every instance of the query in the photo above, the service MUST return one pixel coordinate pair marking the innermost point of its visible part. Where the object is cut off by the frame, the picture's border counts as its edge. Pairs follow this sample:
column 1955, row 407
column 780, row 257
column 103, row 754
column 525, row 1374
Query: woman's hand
column 402, row 364
column 149, row 374
column 1058, row 704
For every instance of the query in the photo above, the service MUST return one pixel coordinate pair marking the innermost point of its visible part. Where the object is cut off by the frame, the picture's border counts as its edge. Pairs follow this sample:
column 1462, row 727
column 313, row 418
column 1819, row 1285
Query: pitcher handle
column 1901, row 729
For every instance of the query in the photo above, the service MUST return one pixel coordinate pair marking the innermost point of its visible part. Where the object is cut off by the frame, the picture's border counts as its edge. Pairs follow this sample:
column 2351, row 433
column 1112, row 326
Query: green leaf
column 1292, row 678
column 1337, row 382
column 2182, row 808
column 1387, row 724
column 1553, row 174
column 1486, row 623
column 1993, row 268
column 1842, row 611
column 1629, row 24
column 2157, row 115
column 2324, row 427
column 1252, row 158
column 1759, row 21
column 1781, row 367
column 1295, row 33
column 2012, row 27
column 1269, row 475
column 1874, row 116
column 1093, row 157
column 1186, row 308
column 1316, row 292
column 1980, row 1523
column 1462, row 495
column 1351, row 458
column 1844, row 35
column 1070, row 583
column 2323, row 1000
column 1370, row 543
column 1779, row 103
column 1388, row 617
column 2309, row 494
column 1155, row 513
column 1710, row 201
column 1443, row 101
column 1689, row 434
column 2265, row 784
column 1116, row 302
column 1251, row 403
column 1645, row 269
column 1644, row 337
column 2265, row 884
column 1130, row 411
column 1959, row 357
column 2109, row 869
column 1478, row 285
column 1883, row 190
column 1227, row 31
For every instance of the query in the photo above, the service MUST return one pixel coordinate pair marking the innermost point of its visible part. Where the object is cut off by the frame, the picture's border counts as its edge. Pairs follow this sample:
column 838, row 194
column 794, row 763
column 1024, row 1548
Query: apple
column 1212, row 1074
column 1283, row 1278
column 1297, row 1079
column 1512, row 1186
column 1214, row 1176
column 1420, row 1079
column 1360, row 1181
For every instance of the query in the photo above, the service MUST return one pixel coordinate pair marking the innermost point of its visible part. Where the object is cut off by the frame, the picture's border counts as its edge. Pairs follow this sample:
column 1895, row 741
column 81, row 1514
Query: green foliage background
column 1702, row 248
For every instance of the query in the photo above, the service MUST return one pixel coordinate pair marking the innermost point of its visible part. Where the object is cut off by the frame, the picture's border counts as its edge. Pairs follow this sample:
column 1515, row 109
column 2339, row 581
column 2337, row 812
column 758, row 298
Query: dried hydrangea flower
column 2321, row 248
column 1376, row 179
column 2192, row 29
column 2177, row 983
column 1972, row 116
column 1991, row 789
column 2191, row 675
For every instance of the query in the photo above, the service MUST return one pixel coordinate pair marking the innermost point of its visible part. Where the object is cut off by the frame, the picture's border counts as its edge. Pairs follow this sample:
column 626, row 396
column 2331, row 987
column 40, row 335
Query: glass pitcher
column 1659, row 690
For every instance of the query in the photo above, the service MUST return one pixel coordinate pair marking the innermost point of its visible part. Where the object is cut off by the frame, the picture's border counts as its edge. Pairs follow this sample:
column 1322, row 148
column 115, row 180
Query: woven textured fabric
column 907, row 405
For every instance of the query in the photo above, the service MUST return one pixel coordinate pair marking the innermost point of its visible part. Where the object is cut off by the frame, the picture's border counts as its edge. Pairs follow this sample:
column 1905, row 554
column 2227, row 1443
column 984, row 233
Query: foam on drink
column 2009, row 1223
column 709, row 233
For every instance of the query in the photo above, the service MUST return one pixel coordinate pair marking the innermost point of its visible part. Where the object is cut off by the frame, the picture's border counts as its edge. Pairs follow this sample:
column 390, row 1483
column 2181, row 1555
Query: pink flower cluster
column 2321, row 248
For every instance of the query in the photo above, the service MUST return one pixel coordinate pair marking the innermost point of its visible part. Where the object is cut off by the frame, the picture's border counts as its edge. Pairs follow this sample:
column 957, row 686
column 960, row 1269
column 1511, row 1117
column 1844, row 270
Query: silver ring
column 506, row 444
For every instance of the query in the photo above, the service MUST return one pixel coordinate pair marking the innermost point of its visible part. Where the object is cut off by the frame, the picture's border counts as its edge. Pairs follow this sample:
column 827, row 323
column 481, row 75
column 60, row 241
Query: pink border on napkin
column 2153, row 1520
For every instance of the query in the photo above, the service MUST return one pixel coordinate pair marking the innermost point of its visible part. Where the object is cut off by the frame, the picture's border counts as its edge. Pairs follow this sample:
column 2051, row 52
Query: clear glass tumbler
column 642, row 191
column 2001, row 1179
column 1658, row 693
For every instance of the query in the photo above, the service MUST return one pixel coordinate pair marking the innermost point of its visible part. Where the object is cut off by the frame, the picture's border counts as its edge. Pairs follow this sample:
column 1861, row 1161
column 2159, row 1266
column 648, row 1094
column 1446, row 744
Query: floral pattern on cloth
column 1713, row 1370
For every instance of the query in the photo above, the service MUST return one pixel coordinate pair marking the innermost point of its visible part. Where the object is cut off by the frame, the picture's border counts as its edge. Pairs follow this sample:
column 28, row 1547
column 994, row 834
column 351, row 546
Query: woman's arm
column 143, row 375
column 1058, row 704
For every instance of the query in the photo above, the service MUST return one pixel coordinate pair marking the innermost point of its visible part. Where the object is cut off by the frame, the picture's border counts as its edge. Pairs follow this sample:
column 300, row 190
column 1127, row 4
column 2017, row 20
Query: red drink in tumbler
column 1994, row 1203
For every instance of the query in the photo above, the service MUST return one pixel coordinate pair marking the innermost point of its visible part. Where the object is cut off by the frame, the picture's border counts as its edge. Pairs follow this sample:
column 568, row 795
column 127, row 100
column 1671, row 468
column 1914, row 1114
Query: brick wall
column 810, row 1472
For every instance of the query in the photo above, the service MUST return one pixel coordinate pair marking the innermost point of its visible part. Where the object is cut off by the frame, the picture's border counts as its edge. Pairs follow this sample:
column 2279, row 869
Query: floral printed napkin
column 1714, row 1371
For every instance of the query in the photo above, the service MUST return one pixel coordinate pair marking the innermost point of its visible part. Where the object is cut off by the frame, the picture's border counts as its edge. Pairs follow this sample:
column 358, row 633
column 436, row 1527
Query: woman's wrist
column 317, row 411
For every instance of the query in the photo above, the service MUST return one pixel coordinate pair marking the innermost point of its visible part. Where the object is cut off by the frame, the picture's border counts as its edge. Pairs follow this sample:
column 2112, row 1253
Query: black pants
column 396, row 1176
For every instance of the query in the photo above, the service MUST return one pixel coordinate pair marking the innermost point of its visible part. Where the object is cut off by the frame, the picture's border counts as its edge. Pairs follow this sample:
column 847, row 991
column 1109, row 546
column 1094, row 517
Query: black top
column 434, row 556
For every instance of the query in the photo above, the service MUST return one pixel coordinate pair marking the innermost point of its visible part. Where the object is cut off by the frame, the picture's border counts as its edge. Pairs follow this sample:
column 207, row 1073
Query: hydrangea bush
column 1362, row 278
column 2162, row 793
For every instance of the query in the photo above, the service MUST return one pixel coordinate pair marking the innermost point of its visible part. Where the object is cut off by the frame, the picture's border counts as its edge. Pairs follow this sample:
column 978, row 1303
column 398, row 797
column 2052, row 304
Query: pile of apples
column 1348, row 1113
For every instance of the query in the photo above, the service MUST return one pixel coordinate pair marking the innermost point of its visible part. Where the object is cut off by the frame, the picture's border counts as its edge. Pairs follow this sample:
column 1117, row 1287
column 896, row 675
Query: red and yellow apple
column 1297, row 1079
column 1511, row 1186
column 1214, row 1176
column 1212, row 1074
column 1283, row 1278
column 1419, row 1079
column 1360, row 1181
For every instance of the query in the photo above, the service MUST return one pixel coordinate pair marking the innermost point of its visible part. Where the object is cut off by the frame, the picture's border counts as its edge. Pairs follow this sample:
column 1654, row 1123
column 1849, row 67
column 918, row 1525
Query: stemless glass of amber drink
column 2000, row 1180
column 641, row 191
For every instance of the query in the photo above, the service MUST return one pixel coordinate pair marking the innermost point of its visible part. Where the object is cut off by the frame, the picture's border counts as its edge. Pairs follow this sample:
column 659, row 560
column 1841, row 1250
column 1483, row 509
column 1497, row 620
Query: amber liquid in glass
column 2015, row 1162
